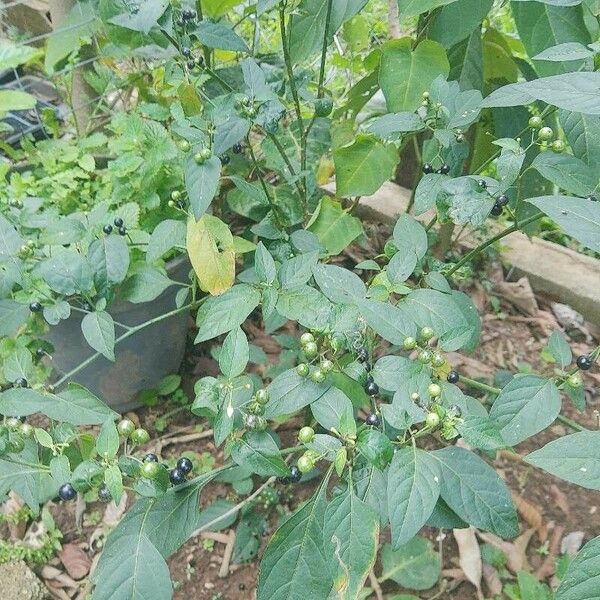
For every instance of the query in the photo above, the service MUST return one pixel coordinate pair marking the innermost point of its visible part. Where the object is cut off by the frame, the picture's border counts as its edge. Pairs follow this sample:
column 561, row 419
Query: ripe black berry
column 122, row 230
column 151, row 457
column 191, row 64
column 176, row 476
column 427, row 168
column 295, row 474
column 585, row 363
column 242, row 587
column 371, row 388
column 185, row 465
column 67, row 492
column 362, row 355
column 502, row 200
column 592, row 198
column 482, row 184
column 21, row 382
column 35, row 307
column 186, row 51
column 187, row 14
column 107, row 229
column 496, row 210
column 118, row 222
column 225, row 159
column 445, row 169
column 237, row 148
column 453, row 377
column 104, row 495
column 199, row 61
column 373, row 420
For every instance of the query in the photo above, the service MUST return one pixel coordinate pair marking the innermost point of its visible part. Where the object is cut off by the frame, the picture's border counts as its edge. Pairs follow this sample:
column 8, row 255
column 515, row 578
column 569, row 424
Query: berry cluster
column 501, row 202
column 444, row 169
column 108, row 228
column 253, row 419
column 186, row 18
column 312, row 352
column 137, row 436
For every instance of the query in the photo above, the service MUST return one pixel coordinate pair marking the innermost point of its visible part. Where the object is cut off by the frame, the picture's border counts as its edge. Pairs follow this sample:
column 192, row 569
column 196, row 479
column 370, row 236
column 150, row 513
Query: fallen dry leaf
column 520, row 545
column 469, row 555
column 513, row 555
column 492, row 580
column 531, row 514
column 76, row 561
column 572, row 542
column 114, row 512
column 548, row 567
column 519, row 294
column 560, row 499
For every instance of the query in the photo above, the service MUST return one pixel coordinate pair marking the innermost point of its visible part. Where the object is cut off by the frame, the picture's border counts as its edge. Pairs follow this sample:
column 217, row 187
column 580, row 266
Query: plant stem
column 473, row 253
column 290, row 167
column 126, row 335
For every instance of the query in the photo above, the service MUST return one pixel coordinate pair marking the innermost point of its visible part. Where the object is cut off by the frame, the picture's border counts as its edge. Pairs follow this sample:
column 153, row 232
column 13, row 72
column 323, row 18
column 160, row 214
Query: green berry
column 317, row 376
column 545, row 134
column 171, row 204
column 307, row 338
column 262, row 396
column 184, row 145
column 409, row 343
column 432, row 420
column 303, row 369
column 425, row 356
column 305, row 463
column 149, row 470
column 202, row 156
column 305, row 435
column 256, row 408
column 558, row 146
column 26, row 430
column 323, row 106
column 16, row 444
column 426, row 334
column 125, row 427
column 415, row 396
column 13, row 423
column 535, row 122
column 175, row 195
column 390, row 248
column 311, row 350
column 438, row 360
column 140, row 436
column 326, row 366
column 434, row 390
column 575, row 381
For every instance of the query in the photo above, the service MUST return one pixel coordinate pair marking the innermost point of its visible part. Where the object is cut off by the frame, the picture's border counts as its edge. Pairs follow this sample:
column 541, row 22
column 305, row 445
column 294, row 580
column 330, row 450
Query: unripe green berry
column 575, row 381
column 426, row 334
column 558, row 146
column 390, row 248
column 13, row 423
column 317, row 376
column 432, row 420
column 307, row 338
column 305, row 435
column 415, row 396
column 409, row 343
column 26, row 430
column 305, row 463
column 262, row 396
column 125, row 427
column 140, row 436
column 16, row 444
column 175, row 195
column 256, row 408
column 438, row 360
column 303, row 369
column 425, row 356
column 184, row 145
column 149, row 470
column 326, row 366
column 434, row 390
column 545, row 134
column 535, row 122
column 311, row 349
column 171, row 204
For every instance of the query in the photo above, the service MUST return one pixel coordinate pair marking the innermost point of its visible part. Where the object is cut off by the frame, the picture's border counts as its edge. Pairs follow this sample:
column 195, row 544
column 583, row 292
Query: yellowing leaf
column 211, row 249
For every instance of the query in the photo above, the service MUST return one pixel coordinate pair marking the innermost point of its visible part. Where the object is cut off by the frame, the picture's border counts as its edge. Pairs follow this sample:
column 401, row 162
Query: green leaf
column 218, row 8
column 410, row 236
column 144, row 19
column 560, row 349
column 289, row 392
column 12, row 316
column 12, row 55
column 413, row 490
column 364, row 166
column 371, row 487
column 67, row 273
column 582, row 579
column 390, row 322
column 75, row 405
column 334, row 227
column 565, row 52
column 114, row 482
column 458, row 20
column 583, row 135
column 107, row 442
column 404, row 74
column 259, row 452
column 392, row 124
column 110, row 257
column 427, row 192
column 264, row 265
column 574, row 458
column 411, row 8
column 98, row 330
column 333, row 409
column 350, row 538
column 234, row 354
column 567, row 172
column 298, row 270
column 202, row 183
column 220, row 314
column 146, row 284
column 168, row 234
column 415, row 566
column 578, row 217
column 15, row 100
column 306, row 305
column 527, row 405
column 473, row 490
column 481, row 432
column 218, row 35
column 338, row 284
column 294, row 564
column 25, row 480
column 375, row 447
column 19, row 363
column 571, row 91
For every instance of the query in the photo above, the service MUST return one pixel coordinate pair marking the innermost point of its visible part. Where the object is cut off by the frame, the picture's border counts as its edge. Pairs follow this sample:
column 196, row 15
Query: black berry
column 453, row 377
column 191, row 64
column 427, row 168
column 372, row 388
column 445, row 169
column 295, row 474
column 104, row 495
column 237, row 148
column 373, row 420
column 502, row 200
column 185, row 465
column 151, row 457
column 67, row 492
column 107, row 229
column 225, row 159
column 21, row 382
column 362, row 355
column 122, row 230
column 118, row 222
column 176, row 476
column 482, row 184
column 496, row 210
column 35, row 307
column 199, row 61
column 242, row 587
column 186, row 51
column 584, row 362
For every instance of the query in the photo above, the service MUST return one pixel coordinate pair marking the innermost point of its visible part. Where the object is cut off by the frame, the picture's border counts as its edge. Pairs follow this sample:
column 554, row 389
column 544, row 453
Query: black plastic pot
column 141, row 360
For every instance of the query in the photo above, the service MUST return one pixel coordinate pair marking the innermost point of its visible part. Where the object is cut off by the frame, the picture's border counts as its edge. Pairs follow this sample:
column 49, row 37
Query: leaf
column 560, row 349
column 375, row 447
column 259, row 452
column 144, row 19
column 12, row 55
column 415, row 566
column 473, row 490
column 168, row 234
column 114, row 482
column 98, row 330
column 218, row 35
column 404, row 74
column 264, row 265
column 578, row 217
column 583, row 135
column 564, row 52
column 298, row 270
column 294, row 562
column 410, row 236
column 26, row 480
column 364, row 166
column 12, row 316
column 413, row 490
column 334, row 227
column 67, row 273
column 411, row 8
column 582, row 579
column 289, row 392
column 220, row 314
column 19, row 363
column 350, row 537
column 390, row 322
column 202, row 183
column 572, row 91
column 16, row 100
column 339, row 284
column 210, row 248
column 234, row 354
column 371, row 487
column 333, row 409
column 75, row 405
column 110, row 257
column 481, row 432
column 146, row 284
column 574, row 458
column 392, row 124
column 469, row 555
column 107, row 442
column 427, row 192
column 457, row 21
column 567, row 172
column 306, row 305
column 75, row 560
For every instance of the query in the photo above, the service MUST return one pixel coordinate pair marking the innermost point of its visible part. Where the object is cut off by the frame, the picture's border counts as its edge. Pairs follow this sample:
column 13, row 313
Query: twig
column 192, row 437
column 222, row 538
column 375, row 585
column 224, row 570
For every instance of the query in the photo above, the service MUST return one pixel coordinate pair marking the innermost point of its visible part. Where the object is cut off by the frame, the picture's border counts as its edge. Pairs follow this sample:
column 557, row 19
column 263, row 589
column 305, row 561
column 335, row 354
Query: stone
column 19, row 582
